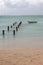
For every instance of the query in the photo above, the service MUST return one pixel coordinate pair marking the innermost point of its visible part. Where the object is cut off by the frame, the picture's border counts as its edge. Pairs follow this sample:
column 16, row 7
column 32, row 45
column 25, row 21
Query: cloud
column 21, row 7
column 35, row 2
column 2, row 4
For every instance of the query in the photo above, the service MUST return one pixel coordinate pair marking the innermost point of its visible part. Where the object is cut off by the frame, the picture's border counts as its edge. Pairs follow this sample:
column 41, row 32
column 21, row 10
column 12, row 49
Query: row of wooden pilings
column 14, row 31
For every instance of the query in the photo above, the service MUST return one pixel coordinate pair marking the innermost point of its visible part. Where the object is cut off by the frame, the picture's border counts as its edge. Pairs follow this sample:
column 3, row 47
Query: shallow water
column 26, row 30
column 32, row 32
column 21, row 43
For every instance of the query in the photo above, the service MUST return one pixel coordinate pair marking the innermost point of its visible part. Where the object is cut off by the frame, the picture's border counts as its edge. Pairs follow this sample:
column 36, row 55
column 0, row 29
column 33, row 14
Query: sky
column 21, row 7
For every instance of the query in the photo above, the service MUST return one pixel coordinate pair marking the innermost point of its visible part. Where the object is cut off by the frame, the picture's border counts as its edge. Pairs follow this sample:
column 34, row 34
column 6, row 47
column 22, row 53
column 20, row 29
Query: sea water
column 25, row 30
column 27, row 36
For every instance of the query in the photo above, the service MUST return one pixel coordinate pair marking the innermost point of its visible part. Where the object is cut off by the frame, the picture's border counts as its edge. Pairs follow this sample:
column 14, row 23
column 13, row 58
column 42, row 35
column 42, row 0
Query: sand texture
column 21, row 57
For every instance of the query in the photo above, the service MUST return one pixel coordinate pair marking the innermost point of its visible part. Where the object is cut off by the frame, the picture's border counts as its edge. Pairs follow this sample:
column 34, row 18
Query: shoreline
column 21, row 43
column 21, row 51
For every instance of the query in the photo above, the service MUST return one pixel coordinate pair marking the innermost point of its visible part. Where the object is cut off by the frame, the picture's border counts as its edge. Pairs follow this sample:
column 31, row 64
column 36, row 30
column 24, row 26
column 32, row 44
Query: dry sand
column 21, row 57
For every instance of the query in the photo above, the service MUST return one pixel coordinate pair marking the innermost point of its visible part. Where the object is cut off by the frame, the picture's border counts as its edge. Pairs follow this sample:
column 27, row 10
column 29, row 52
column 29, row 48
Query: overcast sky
column 21, row 7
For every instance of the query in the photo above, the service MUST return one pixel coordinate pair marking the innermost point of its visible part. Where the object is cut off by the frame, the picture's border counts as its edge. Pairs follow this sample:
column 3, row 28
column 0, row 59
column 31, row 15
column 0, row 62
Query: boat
column 31, row 22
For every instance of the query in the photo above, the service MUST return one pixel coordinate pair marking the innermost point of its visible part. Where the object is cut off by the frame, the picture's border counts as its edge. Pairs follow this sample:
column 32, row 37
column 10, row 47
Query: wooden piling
column 3, row 32
column 8, row 28
column 11, row 26
column 16, row 28
column 19, row 24
column 13, row 32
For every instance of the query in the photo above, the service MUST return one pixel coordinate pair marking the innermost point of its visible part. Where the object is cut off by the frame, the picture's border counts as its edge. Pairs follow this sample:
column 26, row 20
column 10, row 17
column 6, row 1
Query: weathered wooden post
column 13, row 32
column 8, row 28
column 3, row 32
column 16, row 28
column 18, row 25
column 11, row 26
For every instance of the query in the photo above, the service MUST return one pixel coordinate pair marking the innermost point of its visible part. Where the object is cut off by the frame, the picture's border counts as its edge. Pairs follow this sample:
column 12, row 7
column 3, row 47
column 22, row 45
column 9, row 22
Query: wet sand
column 21, row 43
column 21, row 57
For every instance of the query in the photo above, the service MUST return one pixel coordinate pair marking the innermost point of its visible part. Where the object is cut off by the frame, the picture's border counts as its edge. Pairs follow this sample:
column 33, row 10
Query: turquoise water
column 25, row 30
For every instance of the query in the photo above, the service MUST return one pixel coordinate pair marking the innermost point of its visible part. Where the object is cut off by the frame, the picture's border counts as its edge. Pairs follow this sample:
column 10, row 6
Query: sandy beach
column 21, row 57
column 18, row 51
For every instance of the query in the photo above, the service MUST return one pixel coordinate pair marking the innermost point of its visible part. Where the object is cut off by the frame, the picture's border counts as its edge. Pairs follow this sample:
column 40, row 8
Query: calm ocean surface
column 26, row 30
column 27, row 36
